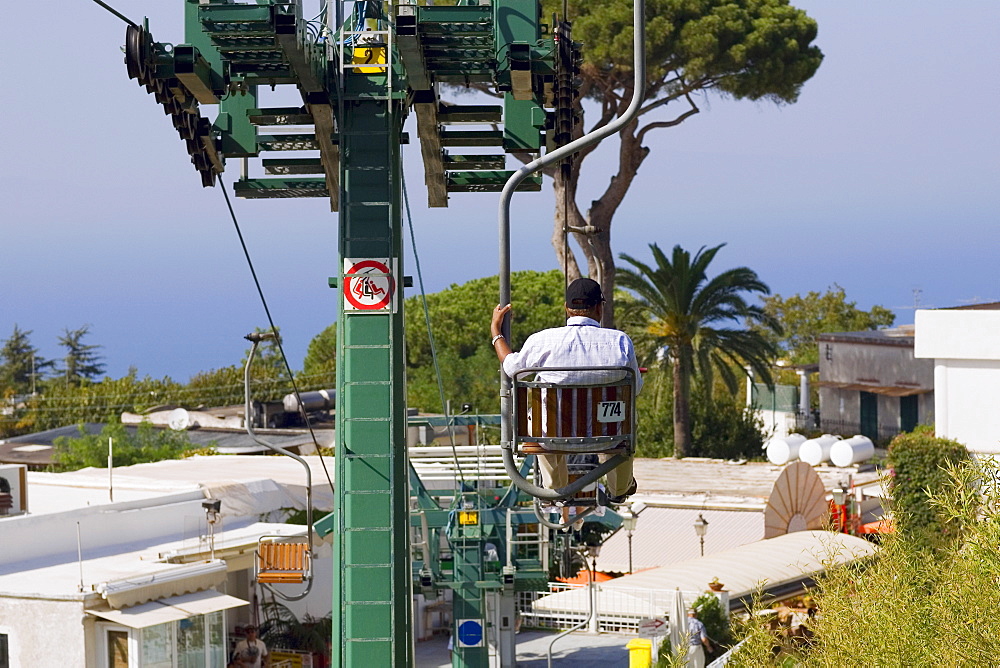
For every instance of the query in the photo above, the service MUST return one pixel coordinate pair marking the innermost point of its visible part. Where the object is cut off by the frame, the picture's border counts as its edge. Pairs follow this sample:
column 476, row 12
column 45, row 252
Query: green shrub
column 910, row 606
column 722, row 429
column 709, row 611
column 148, row 444
column 918, row 463
column 664, row 657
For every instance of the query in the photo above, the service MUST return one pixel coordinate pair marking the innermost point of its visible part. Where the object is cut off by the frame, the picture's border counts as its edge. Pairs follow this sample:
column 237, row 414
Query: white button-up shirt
column 581, row 343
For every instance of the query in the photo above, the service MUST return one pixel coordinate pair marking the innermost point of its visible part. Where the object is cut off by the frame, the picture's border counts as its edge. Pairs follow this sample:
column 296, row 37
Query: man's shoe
column 618, row 500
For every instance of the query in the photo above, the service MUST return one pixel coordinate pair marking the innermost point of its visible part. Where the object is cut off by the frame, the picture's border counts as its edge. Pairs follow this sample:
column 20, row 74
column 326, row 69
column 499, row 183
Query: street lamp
column 592, row 551
column 841, row 499
column 629, row 520
column 700, row 527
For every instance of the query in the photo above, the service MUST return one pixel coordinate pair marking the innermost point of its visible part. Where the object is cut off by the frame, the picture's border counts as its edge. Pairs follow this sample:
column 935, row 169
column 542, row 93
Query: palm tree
column 701, row 323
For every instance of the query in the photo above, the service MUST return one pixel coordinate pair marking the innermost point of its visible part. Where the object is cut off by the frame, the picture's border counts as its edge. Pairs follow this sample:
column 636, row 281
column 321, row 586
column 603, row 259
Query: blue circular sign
column 470, row 633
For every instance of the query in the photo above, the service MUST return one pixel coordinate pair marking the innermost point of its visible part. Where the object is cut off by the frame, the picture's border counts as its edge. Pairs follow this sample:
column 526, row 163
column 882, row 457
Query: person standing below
column 581, row 343
column 698, row 642
column 251, row 652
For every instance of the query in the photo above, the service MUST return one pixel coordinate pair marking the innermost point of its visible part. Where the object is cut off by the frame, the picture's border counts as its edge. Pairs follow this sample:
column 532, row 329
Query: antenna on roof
column 79, row 557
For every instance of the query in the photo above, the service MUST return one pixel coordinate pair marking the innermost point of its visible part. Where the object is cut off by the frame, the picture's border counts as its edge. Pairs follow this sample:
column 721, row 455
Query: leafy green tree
column 82, row 361
column 716, row 620
column 804, row 318
column 225, row 386
column 461, row 313
column 20, row 363
column 690, row 316
column 460, row 320
column 723, row 429
column 104, row 401
column 147, row 444
column 721, row 426
column 320, row 364
column 752, row 50
column 283, row 630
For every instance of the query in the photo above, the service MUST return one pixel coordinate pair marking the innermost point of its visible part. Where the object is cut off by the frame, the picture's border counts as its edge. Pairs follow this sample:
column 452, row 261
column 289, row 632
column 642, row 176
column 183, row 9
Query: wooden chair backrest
column 570, row 411
column 282, row 562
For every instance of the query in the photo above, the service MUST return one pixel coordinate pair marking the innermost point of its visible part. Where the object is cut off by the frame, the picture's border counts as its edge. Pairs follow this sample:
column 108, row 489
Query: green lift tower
column 359, row 70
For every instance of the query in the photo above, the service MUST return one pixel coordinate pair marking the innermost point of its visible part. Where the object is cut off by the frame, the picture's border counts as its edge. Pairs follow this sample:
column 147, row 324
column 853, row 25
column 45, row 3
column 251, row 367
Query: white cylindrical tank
column 784, row 449
column 815, row 451
column 852, row 450
column 317, row 400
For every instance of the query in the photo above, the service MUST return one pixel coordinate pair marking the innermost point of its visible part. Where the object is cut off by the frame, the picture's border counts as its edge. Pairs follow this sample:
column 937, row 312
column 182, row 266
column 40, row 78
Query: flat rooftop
column 717, row 482
column 57, row 492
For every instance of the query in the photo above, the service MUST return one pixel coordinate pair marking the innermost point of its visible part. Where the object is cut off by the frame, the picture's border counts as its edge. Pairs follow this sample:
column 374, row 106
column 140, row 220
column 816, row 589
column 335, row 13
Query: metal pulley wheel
column 137, row 54
column 200, row 161
column 163, row 95
column 190, row 126
column 186, row 124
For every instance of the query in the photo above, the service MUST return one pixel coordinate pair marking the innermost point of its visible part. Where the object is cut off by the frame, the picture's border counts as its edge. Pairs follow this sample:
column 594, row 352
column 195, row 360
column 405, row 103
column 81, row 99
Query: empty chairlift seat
column 282, row 561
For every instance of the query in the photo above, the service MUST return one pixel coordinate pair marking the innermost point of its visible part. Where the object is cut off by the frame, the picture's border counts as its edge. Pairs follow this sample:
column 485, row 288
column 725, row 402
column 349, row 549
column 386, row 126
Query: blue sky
column 883, row 179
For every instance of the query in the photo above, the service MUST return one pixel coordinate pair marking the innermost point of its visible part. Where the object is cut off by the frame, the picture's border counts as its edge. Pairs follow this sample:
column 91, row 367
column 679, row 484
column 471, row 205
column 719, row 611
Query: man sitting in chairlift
column 581, row 343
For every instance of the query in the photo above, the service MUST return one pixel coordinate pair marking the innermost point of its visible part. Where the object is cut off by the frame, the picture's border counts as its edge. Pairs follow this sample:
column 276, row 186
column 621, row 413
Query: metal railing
column 884, row 432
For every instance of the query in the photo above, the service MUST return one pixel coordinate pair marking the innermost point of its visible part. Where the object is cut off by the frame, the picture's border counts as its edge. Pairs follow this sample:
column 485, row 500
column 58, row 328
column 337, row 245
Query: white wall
column 965, row 346
column 889, row 364
column 958, row 334
column 968, row 408
column 777, row 423
column 44, row 633
column 840, row 406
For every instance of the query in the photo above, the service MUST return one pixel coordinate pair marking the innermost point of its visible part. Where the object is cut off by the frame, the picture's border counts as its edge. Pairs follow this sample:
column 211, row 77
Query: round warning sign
column 368, row 285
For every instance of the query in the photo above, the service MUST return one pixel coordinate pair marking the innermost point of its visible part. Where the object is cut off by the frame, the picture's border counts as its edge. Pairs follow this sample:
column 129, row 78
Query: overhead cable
column 277, row 339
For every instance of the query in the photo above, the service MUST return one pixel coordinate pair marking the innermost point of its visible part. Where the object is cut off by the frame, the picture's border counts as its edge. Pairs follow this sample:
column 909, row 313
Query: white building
column 135, row 582
column 965, row 347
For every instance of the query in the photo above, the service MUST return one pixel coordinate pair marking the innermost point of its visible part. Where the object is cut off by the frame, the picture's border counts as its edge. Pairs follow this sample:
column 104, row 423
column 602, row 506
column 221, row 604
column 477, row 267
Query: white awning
column 774, row 563
column 167, row 581
column 170, row 609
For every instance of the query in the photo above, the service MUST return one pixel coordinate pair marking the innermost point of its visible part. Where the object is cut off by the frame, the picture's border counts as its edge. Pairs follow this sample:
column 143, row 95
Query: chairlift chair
column 280, row 560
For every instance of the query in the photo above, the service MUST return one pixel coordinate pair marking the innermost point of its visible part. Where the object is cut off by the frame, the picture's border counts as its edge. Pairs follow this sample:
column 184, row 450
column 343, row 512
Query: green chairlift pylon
column 358, row 77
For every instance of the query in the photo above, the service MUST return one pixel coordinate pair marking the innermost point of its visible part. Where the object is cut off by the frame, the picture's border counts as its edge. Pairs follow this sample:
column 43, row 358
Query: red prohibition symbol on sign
column 369, row 293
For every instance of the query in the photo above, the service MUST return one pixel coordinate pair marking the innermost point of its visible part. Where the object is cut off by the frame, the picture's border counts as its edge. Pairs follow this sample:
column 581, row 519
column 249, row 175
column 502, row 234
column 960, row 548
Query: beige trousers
column 696, row 656
column 555, row 474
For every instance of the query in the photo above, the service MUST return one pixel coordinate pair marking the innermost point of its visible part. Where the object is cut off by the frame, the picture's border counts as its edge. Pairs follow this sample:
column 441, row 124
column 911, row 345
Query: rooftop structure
column 871, row 383
column 778, row 566
column 130, row 562
column 731, row 496
column 961, row 345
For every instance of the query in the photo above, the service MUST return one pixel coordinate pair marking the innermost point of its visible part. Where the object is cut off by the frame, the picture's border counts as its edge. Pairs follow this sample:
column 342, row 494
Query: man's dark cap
column 584, row 293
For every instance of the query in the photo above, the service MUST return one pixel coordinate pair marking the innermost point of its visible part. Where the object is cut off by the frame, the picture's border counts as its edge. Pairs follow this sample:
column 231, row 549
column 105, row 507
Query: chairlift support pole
column 235, row 50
